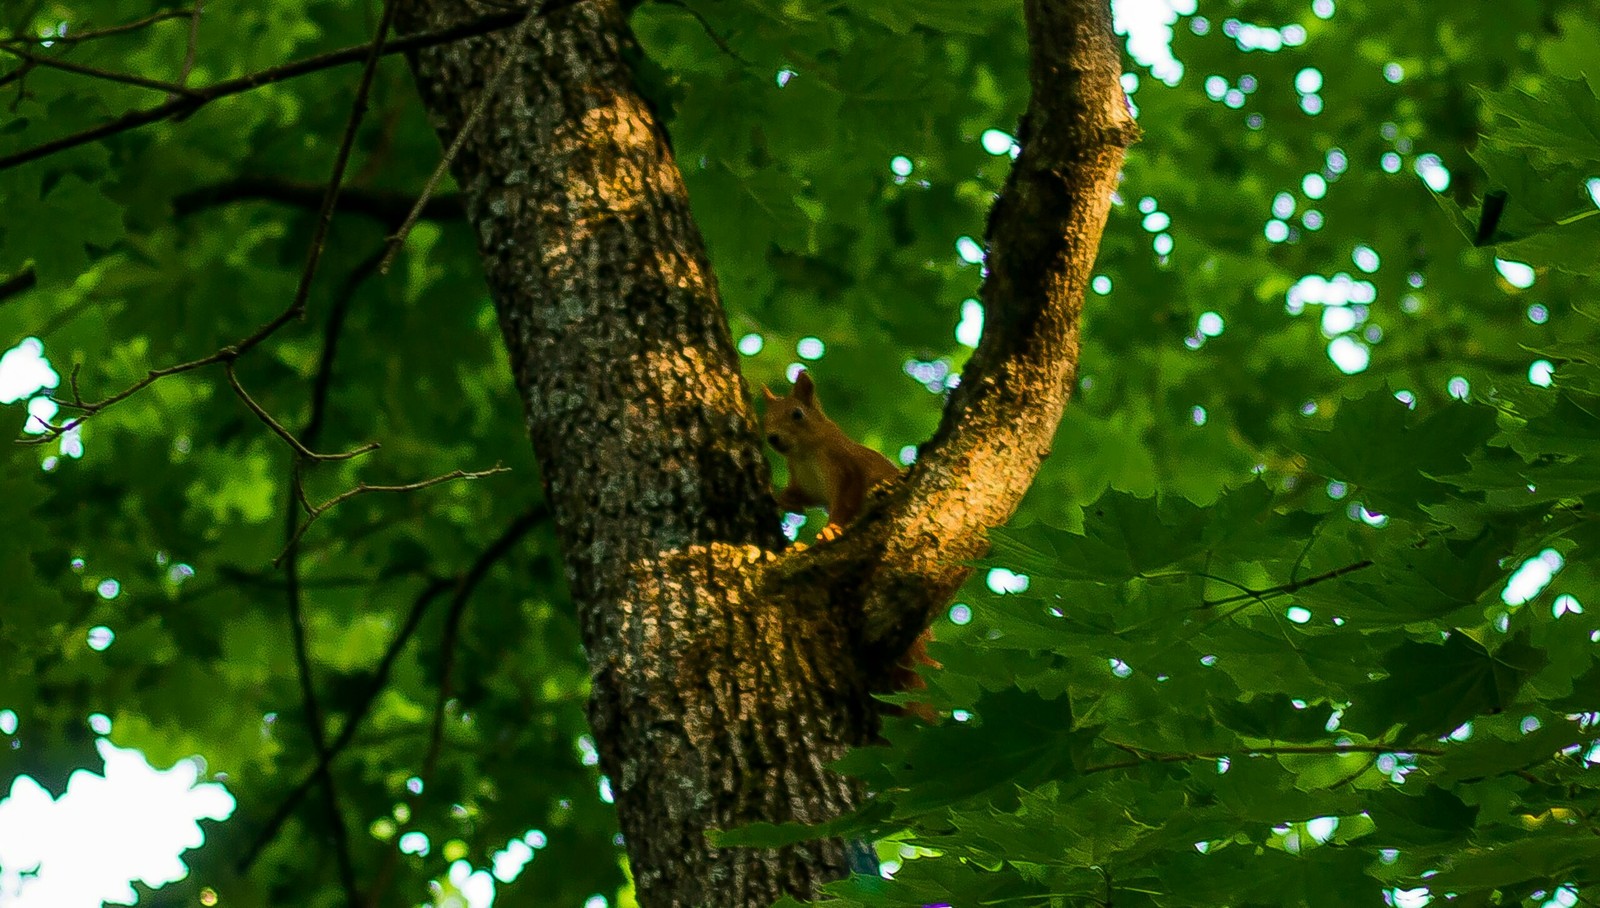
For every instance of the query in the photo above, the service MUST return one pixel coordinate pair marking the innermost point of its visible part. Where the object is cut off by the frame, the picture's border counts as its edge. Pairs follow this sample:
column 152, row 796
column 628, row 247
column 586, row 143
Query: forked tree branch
column 293, row 528
column 1042, row 238
column 49, row 62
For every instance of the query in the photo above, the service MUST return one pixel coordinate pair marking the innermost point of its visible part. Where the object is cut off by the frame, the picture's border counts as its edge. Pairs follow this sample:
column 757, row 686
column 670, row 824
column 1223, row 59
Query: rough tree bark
column 726, row 673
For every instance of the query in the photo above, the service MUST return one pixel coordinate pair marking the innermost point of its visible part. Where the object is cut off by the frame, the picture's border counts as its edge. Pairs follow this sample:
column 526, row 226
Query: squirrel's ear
column 804, row 390
column 766, row 394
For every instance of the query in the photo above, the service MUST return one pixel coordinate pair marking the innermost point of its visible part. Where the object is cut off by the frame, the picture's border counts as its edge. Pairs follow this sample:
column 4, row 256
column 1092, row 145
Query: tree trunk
column 727, row 674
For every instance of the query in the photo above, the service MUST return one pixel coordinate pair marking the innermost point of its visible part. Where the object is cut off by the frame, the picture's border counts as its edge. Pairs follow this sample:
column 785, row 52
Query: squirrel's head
column 794, row 421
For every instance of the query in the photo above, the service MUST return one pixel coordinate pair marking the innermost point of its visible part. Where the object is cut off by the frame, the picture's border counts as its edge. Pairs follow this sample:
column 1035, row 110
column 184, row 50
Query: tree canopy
column 1302, row 609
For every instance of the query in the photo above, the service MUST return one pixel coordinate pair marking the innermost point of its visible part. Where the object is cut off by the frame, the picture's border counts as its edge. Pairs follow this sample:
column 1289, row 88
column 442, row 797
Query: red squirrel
column 829, row 469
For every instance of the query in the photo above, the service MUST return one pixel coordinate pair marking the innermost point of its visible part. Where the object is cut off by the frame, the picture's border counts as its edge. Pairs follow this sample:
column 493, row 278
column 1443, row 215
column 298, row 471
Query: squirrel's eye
column 798, row 415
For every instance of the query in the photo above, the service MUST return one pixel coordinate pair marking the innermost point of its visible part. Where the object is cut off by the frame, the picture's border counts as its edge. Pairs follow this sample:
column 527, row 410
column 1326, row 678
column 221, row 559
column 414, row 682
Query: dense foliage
column 1303, row 610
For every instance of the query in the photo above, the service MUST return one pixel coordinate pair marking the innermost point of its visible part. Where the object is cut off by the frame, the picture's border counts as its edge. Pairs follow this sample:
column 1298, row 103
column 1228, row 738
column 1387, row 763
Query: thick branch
column 1043, row 235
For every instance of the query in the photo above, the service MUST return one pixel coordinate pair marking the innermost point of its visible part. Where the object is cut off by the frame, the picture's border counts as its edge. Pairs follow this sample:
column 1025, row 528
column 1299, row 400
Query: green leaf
column 1430, row 688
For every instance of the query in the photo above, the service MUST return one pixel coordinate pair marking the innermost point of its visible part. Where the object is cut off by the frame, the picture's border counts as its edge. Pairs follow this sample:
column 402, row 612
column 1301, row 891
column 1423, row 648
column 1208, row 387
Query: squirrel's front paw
column 830, row 532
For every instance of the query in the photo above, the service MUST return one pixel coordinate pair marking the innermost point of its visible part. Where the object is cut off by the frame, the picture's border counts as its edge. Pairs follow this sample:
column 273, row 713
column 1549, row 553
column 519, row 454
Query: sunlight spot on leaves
column 970, row 330
column 1517, row 274
column 1002, row 581
column 1409, row 898
column 25, row 371
column 415, row 843
column 1542, row 373
column 970, row 250
column 1433, row 172
column 1529, row 580
column 997, row 142
column 1349, row 355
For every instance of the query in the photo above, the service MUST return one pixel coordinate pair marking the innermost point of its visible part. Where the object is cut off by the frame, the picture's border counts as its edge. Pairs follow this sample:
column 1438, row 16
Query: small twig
column 1287, row 588
column 226, row 354
column 314, row 720
column 1286, row 750
column 285, row 434
column 21, row 282
column 171, row 88
column 202, row 96
column 15, row 75
column 1494, row 207
column 189, row 51
column 313, row 710
column 1300, row 560
column 512, row 54
column 362, row 488
column 375, row 203
column 463, row 583
column 293, row 528
column 322, row 384
column 705, row 26
column 194, row 42
column 101, row 32
column 341, row 160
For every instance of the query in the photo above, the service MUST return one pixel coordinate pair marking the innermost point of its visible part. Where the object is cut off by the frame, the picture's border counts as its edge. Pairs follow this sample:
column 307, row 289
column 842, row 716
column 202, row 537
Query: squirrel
column 827, row 468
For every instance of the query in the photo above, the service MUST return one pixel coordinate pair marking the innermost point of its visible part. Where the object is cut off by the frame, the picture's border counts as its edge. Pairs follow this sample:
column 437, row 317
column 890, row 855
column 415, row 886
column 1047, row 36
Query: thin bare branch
column 363, row 488
column 384, row 205
column 108, row 31
column 1287, row 588
column 277, row 427
column 16, row 75
column 322, row 384
column 1282, row 751
column 202, row 96
column 341, row 161
column 313, row 711
column 194, row 42
column 226, row 354
column 484, row 97
column 18, row 283
column 705, row 26
column 171, row 88
column 293, row 527
column 191, row 48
